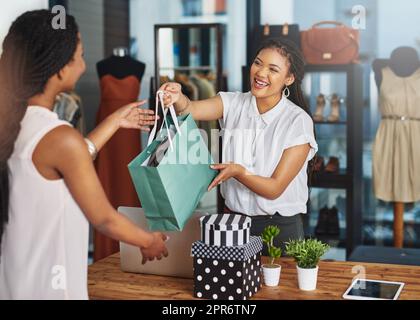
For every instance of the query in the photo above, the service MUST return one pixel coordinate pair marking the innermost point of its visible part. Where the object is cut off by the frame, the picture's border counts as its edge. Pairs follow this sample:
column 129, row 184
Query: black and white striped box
column 225, row 230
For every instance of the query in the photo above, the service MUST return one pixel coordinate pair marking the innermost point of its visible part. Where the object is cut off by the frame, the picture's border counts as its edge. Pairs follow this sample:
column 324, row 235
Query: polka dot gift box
column 225, row 229
column 227, row 273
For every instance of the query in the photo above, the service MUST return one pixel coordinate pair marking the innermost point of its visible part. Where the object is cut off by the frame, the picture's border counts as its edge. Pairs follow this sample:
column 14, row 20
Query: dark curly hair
column 33, row 51
column 296, row 67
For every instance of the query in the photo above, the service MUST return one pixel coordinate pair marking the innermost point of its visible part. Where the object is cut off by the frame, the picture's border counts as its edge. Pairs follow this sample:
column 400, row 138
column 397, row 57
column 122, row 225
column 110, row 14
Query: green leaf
column 268, row 235
column 306, row 253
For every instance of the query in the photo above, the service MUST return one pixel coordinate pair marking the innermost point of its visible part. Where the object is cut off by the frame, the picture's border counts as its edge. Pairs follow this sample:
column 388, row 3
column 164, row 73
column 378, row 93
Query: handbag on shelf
column 276, row 32
column 337, row 45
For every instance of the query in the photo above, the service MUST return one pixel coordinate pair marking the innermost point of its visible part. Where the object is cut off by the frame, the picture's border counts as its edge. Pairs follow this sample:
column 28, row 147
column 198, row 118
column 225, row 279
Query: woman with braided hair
column 49, row 189
column 268, row 140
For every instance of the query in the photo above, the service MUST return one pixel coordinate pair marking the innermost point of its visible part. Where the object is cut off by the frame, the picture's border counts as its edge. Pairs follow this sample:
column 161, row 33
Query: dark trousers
column 291, row 228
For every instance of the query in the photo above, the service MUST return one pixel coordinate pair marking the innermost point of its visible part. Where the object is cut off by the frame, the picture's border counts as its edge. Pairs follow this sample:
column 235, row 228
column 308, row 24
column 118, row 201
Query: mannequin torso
column 121, row 65
column 120, row 79
column 404, row 62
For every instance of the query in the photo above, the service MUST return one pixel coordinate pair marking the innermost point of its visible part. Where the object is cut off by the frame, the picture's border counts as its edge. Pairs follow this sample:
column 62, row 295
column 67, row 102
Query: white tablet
column 363, row 289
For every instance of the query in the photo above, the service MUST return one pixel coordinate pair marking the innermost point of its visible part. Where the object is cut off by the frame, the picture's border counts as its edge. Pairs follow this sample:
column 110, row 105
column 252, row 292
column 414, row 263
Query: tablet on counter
column 363, row 289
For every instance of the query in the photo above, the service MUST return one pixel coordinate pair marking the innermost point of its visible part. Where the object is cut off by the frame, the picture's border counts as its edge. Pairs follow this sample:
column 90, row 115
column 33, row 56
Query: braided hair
column 296, row 67
column 33, row 52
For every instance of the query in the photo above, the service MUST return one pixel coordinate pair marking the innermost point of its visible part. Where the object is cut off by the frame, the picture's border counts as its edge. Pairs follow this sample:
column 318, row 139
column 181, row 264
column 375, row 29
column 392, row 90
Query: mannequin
column 121, row 65
column 120, row 78
column 404, row 63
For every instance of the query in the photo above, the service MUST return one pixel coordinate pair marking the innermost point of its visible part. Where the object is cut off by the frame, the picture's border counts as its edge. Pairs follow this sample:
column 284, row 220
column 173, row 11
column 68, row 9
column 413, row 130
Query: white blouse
column 257, row 142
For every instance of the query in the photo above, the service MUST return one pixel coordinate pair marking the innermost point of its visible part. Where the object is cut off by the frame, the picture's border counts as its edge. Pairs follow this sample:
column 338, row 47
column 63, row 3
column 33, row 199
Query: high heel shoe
column 333, row 165
column 320, row 106
column 322, row 224
column 319, row 164
column 335, row 109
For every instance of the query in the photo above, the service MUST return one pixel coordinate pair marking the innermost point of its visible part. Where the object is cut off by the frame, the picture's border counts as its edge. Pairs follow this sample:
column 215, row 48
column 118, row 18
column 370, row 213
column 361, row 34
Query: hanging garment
column 117, row 153
column 45, row 245
column 68, row 106
column 396, row 149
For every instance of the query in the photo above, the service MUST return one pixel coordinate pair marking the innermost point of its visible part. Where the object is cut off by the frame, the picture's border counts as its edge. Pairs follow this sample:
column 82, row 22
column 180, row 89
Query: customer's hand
column 227, row 171
column 132, row 117
column 156, row 249
column 172, row 93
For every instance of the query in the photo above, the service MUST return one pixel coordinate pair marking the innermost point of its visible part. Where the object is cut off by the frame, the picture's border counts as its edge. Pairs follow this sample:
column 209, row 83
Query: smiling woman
column 268, row 140
column 278, row 70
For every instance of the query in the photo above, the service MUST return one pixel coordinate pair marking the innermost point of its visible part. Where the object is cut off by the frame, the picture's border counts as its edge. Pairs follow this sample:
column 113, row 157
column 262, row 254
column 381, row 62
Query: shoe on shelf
column 333, row 165
column 335, row 109
column 320, row 106
column 322, row 224
column 319, row 164
column 333, row 223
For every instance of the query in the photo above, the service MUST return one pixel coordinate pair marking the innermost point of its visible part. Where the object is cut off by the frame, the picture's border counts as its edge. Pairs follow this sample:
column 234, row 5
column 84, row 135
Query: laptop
column 179, row 263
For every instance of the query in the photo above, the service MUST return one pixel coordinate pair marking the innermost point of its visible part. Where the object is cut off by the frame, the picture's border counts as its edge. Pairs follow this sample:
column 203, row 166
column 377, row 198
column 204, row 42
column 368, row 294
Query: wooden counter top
column 107, row 281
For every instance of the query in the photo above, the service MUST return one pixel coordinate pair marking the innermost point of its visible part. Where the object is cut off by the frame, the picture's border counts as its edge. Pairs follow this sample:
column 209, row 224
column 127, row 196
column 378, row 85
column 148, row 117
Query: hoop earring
column 286, row 92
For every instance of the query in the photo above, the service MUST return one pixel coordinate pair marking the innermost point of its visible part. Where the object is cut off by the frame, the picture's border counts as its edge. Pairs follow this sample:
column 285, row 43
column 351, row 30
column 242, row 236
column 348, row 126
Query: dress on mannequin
column 396, row 150
column 120, row 79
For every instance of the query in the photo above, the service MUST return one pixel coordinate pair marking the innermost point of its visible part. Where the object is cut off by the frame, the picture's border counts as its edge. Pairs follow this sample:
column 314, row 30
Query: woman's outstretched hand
column 227, row 171
column 132, row 117
column 172, row 93
column 156, row 249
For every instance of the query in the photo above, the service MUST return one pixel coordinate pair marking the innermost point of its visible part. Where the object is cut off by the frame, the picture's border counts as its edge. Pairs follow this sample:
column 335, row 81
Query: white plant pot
column 271, row 273
column 307, row 278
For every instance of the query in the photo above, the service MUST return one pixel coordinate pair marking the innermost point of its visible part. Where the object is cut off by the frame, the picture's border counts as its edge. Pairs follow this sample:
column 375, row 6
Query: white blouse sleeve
column 302, row 132
column 227, row 99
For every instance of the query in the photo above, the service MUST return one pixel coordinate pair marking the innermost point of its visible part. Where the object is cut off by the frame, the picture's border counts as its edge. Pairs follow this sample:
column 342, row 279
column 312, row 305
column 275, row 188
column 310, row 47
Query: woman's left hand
column 227, row 171
column 132, row 117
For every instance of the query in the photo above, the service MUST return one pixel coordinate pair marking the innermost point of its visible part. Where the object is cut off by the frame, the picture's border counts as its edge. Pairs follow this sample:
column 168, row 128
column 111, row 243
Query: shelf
column 385, row 222
column 329, row 68
column 330, row 123
column 333, row 240
column 188, row 68
column 340, row 180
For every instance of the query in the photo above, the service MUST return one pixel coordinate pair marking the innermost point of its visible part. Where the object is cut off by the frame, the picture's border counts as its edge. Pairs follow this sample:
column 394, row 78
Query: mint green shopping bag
column 170, row 192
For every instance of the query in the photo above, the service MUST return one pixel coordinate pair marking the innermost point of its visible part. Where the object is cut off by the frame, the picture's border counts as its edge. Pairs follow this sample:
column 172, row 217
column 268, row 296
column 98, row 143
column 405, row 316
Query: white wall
column 397, row 25
column 10, row 10
column 236, row 44
column 306, row 13
column 276, row 12
column 143, row 16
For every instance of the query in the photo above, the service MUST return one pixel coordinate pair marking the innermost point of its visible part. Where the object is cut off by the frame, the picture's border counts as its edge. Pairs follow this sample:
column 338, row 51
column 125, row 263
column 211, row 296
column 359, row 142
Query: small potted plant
column 306, row 254
column 271, row 271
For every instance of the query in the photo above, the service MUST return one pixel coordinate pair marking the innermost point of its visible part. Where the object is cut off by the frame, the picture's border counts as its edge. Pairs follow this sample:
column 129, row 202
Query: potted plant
column 306, row 254
column 271, row 271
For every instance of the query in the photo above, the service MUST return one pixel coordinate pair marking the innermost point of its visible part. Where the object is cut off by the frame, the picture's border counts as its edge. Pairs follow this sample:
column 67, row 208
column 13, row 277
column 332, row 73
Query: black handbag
column 277, row 32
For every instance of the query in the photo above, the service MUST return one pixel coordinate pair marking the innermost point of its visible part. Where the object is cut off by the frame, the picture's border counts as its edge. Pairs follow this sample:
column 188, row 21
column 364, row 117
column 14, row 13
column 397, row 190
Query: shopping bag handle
column 159, row 98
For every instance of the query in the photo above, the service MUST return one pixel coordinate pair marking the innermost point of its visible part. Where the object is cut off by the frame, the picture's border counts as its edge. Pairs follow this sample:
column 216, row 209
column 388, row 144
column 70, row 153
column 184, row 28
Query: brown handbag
column 338, row 45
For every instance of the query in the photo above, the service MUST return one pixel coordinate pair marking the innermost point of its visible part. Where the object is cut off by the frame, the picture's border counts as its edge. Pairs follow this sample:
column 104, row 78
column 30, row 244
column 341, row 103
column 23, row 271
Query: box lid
column 225, row 222
column 238, row 253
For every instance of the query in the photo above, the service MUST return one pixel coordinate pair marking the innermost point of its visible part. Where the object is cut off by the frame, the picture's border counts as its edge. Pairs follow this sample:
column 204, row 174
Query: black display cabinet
column 350, row 179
